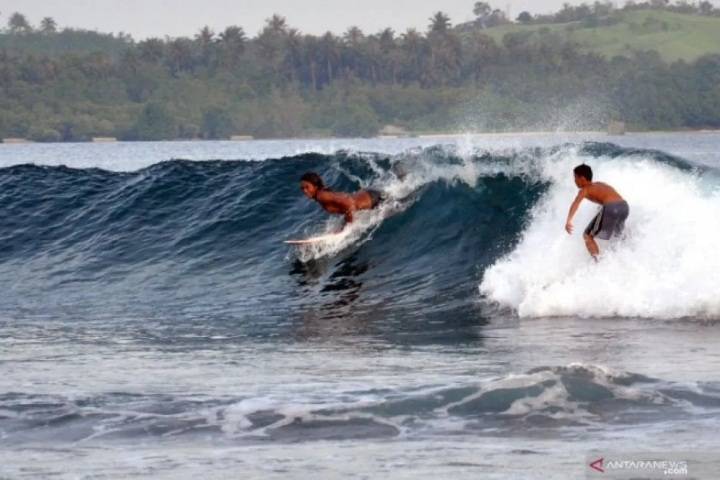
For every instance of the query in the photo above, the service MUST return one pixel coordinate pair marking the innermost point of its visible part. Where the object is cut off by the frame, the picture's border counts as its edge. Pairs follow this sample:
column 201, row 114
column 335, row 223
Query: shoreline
column 410, row 135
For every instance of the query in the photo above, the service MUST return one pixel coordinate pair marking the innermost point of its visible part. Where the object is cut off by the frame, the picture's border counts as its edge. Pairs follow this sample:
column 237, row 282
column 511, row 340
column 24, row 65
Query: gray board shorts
column 609, row 221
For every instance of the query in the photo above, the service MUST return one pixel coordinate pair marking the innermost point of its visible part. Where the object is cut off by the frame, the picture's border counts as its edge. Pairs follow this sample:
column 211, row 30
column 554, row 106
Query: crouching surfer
column 614, row 210
column 338, row 203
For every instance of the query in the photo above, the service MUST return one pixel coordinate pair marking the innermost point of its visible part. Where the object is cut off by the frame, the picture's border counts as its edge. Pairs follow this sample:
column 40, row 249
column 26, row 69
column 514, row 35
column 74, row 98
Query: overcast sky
column 147, row 18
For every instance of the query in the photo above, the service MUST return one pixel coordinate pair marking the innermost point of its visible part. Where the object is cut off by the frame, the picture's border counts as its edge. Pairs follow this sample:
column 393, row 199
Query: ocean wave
column 552, row 399
column 182, row 232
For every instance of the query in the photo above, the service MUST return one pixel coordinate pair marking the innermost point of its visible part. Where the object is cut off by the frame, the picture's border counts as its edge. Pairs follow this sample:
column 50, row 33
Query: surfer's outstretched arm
column 348, row 220
column 346, row 206
column 573, row 210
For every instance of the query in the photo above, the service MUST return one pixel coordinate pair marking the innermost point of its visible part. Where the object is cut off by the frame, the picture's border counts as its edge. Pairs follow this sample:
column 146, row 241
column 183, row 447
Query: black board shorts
column 609, row 221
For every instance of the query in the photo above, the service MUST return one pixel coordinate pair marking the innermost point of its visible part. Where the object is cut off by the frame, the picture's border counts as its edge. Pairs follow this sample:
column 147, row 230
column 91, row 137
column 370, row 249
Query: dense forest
column 72, row 85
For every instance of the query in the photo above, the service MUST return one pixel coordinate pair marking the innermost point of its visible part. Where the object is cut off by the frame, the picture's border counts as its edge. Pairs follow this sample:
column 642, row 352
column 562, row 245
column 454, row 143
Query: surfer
column 337, row 202
column 609, row 221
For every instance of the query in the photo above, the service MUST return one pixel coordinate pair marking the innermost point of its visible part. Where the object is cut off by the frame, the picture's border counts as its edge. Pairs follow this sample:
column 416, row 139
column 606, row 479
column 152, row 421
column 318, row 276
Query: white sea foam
column 667, row 265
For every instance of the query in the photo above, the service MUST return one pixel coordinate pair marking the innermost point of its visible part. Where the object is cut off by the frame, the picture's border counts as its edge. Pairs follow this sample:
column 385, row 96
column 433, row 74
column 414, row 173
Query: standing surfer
column 609, row 221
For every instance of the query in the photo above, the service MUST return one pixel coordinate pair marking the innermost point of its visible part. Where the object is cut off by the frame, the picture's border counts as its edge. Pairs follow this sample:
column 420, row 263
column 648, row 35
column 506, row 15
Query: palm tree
column 353, row 36
column 445, row 51
column 18, row 23
column 310, row 49
column 48, row 25
column 293, row 60
column 414, row 47
column 371, row 59
column 233, row 35
column 389, row 56
column 205, row 36
column 271, row 42
column 276, row 24
column 232, row 42
column 351, row 51
column 208, row 52
column 387, row 39
column 439, row 23
column 330, row 53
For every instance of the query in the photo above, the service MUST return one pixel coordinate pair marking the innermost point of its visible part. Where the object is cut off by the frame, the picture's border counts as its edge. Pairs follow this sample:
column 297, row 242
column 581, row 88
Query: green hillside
column 675, row 36
column 282, row 83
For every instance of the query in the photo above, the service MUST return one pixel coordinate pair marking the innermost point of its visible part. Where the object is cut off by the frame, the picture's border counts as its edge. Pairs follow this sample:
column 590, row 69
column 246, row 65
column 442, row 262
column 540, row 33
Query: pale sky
column 148, row 18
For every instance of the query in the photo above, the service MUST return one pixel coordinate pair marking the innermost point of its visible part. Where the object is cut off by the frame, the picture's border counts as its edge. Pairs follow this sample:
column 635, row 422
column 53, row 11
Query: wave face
column 180, row 238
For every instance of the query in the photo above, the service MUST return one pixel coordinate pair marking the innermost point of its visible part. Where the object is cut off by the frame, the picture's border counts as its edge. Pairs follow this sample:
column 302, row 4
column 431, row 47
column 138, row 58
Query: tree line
column 607, row 13
column 283, row 83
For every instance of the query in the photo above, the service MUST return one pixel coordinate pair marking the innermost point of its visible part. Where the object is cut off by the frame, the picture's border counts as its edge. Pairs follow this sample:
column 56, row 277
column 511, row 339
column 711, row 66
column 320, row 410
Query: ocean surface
column 153, row 324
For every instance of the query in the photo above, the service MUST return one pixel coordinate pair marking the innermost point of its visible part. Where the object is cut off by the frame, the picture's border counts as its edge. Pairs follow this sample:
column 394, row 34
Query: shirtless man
column 337, row 202
column 609, row 221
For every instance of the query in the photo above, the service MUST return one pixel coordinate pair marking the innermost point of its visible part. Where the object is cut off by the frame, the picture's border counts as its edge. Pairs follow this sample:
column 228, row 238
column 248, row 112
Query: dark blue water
column 179, row 237
column 157, row 306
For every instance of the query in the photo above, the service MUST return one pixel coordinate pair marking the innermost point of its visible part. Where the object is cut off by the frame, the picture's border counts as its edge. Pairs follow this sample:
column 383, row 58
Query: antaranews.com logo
column 653, row 465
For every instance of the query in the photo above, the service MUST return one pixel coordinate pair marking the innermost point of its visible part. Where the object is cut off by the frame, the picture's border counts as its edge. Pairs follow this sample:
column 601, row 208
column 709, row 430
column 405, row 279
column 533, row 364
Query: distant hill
column 68, row 41
column 675, row 36
column 283, row 83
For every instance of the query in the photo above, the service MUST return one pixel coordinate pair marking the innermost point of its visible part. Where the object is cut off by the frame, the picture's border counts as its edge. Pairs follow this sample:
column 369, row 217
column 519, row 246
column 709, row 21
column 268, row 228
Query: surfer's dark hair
column 583, row 171
column 314, row 179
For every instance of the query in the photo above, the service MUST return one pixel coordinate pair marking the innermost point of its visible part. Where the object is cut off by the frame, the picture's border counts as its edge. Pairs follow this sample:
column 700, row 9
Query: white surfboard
column 322, row 238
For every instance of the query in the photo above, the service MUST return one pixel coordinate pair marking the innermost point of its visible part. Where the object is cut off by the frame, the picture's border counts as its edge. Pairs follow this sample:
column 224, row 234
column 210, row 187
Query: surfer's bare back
column 609, row 221
column 338, row 203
